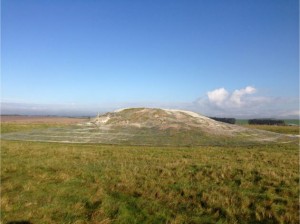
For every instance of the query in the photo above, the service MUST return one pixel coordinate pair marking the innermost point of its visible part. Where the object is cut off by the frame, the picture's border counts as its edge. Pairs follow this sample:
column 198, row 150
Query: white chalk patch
column 193, row 114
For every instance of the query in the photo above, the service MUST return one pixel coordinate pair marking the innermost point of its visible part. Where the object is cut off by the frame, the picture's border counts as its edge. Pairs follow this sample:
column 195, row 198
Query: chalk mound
column 152, row 126
column 164, row 119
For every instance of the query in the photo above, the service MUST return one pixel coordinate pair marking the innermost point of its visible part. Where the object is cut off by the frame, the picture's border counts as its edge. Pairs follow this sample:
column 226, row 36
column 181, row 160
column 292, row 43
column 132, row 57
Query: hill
column 152, row 126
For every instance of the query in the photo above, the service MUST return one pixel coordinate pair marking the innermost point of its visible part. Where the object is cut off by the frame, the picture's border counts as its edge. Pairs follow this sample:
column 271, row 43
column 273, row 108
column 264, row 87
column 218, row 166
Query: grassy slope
column 140, row 136
column 68, row 183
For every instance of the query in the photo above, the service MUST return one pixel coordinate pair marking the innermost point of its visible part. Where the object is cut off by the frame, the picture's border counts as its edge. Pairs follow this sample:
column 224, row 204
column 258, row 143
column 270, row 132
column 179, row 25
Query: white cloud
column 222, row 98
column 218, row 96
column 237, row 95
column 245, row 103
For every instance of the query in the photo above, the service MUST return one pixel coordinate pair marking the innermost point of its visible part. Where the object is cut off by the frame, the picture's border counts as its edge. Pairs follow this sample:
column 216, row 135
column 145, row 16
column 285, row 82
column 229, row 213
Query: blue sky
column 88, row 56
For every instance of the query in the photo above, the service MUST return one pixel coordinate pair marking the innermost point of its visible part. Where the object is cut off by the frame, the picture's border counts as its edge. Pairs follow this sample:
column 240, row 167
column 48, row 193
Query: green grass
column 241, row 121
column 286, row 121
column 129, row 135
column 292, row 121
column 92, row 183
column 294, row 130
column 15, row 127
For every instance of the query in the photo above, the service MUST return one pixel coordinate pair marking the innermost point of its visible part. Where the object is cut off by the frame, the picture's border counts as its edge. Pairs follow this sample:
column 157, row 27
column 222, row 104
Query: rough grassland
column 16, row 127
column 90, row 183
column 293, row 130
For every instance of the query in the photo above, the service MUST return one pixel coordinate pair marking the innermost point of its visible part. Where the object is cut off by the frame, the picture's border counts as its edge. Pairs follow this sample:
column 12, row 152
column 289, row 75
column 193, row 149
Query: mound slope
column 164, row 120
column 152, row 126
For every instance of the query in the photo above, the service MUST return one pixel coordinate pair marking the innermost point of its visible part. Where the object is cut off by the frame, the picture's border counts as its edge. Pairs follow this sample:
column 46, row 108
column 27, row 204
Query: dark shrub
column 225, row 120
column 266, row 121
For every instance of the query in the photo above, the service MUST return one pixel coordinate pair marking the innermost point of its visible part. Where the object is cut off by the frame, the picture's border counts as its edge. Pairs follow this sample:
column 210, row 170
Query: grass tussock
column 88, row 183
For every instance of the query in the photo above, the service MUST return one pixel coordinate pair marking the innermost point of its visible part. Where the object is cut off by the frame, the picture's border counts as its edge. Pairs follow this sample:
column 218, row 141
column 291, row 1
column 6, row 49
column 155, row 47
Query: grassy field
column 93, row 183
column 286, row 121
column 292, row 121
column 15, row 127
column 293, row 130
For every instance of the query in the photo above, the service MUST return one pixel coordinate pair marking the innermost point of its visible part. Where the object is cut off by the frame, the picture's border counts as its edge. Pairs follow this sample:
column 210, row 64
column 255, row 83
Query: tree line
column 251, row 121
column 223, row 119
column 266, row 121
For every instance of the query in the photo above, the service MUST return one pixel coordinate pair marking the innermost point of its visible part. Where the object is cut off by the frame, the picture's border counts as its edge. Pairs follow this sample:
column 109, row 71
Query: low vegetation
column 148, row 127
column 266, row 122
column 293, row 130
column 286, row 121
column 225, row 120
column 17, row 127
column 93, row 183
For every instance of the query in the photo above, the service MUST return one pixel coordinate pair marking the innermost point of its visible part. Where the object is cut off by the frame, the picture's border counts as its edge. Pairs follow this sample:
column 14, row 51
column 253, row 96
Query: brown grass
column 94, row 183
column 40, row 119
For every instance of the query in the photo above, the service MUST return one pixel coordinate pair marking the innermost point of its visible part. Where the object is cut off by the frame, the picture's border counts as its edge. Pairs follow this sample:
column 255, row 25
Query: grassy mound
column 150, row 127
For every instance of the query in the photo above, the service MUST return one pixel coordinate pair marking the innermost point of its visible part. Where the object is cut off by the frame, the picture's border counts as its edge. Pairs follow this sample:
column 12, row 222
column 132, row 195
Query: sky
column 219, row 58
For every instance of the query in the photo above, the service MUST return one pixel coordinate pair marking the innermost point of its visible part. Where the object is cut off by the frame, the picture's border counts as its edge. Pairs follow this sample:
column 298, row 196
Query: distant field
column 40, row 119
column 292, row 121
column 293, row 130
column 25, row 123
column 287, row 121
column 94, row 183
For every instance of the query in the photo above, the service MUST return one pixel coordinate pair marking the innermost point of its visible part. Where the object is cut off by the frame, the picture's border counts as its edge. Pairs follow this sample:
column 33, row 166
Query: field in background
column 25, row 123
column 19, row 119
column 286, row 121
column 293, row 130
column 292, row 121
column 93, row 183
